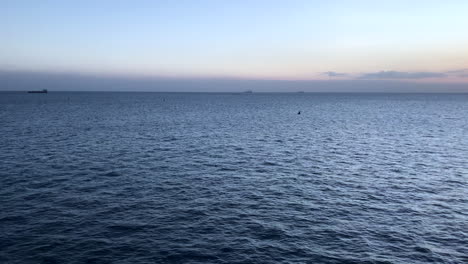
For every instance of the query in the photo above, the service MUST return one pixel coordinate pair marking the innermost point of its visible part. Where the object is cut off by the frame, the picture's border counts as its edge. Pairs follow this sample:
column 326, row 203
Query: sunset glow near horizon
column 422, row 41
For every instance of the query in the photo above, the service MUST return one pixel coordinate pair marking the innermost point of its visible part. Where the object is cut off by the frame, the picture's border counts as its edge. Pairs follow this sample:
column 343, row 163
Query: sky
column 298, row 40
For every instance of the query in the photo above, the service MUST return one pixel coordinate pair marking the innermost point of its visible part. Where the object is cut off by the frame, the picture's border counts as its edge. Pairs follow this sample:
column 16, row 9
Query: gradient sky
column 417, row 40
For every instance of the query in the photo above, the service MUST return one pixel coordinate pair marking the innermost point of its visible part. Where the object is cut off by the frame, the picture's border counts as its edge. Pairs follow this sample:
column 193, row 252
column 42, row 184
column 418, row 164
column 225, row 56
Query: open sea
column 93, row 177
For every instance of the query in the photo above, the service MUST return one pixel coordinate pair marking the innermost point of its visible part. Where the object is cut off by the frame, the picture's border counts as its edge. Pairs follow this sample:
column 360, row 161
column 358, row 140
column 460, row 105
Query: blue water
column 233, row 178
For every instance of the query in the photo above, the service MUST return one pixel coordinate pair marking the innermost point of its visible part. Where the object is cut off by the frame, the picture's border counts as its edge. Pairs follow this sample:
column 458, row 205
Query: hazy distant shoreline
column 25, row 81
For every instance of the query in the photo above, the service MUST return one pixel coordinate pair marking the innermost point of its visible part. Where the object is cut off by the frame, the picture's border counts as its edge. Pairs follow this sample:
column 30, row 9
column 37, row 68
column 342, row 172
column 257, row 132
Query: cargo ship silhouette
column 42, row 91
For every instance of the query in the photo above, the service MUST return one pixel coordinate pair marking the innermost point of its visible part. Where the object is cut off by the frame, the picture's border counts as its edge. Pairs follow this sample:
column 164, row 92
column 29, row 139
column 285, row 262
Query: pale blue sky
column 237, row 39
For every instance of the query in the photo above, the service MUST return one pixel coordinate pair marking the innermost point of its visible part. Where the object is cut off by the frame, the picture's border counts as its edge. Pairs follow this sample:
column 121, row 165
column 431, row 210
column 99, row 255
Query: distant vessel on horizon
column 248, row 91
column 42, row 91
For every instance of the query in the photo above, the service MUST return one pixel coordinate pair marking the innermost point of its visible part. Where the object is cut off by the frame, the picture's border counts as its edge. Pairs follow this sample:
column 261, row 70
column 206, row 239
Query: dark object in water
column 248, row 91
column 299, row 112
column 43, row 91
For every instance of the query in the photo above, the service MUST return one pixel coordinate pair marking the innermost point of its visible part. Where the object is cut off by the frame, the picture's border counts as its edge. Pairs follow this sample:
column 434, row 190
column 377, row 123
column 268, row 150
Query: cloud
column 335, row 74
column 462, row 73
column 401, row 75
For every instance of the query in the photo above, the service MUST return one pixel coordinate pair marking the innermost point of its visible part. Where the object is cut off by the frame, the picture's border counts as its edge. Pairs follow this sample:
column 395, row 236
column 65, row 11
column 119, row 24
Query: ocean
column 121, row 177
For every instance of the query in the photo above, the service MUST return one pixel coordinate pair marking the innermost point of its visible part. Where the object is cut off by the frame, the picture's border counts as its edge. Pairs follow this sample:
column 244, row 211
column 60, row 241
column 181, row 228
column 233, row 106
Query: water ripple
column 220, row 178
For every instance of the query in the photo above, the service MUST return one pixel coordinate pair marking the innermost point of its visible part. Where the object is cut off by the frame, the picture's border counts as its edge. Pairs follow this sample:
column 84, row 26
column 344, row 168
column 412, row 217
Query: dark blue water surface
column 233, row 178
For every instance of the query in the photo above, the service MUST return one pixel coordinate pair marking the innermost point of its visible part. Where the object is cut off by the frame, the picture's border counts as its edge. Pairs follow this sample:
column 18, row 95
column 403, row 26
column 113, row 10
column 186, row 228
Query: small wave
column 270, row 163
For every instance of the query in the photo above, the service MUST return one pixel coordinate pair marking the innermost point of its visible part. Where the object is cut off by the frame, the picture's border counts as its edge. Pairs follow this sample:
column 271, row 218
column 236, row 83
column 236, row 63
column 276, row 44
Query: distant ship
column 42, row 91
column 248, row 91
